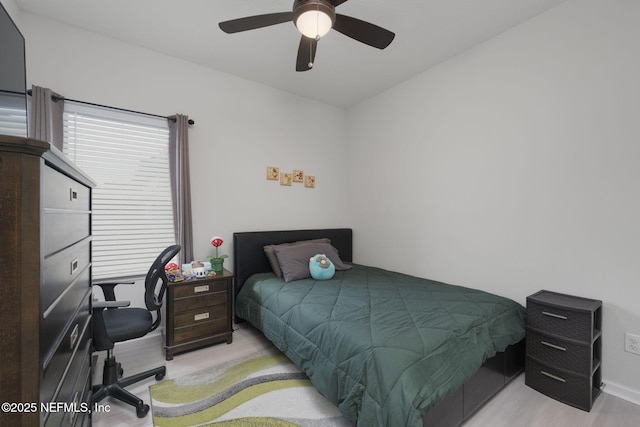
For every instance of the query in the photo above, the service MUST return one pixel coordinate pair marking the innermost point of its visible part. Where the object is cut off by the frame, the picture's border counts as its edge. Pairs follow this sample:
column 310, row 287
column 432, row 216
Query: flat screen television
column 13, row 78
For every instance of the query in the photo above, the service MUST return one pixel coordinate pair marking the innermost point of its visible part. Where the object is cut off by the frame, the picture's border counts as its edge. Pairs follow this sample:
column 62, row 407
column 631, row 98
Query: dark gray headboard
column 249, row 257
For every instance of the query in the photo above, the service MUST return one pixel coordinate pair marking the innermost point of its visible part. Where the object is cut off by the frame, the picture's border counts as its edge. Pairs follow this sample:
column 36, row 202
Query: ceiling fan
column 314, row 19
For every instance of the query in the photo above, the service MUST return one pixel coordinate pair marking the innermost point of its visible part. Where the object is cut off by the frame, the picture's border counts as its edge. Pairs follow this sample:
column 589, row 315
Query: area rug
column 263, row 389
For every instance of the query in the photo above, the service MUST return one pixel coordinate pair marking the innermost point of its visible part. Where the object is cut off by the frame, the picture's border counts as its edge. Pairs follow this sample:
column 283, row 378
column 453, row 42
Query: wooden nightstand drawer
column 562, row 354
column 205, row 314
column 199, row 288
column 206, row 300
column 204, row 329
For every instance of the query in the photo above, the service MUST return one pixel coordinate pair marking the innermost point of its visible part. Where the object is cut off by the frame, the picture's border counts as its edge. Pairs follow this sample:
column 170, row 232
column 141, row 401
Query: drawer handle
column 557, row 347
column 74, row 266
column 557, row 316
column 555, row 377
column 76, row 404
column 203, row 288
column 74, row 337
column 201, row 316
column 73, row 195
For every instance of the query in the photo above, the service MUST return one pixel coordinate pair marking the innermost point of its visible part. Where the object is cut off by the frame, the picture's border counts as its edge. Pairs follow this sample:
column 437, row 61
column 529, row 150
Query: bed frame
column 249, row 258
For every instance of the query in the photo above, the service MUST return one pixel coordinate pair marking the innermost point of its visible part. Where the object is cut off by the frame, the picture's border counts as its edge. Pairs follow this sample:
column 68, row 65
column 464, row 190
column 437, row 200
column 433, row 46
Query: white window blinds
column 13, row 115
column 126, row 154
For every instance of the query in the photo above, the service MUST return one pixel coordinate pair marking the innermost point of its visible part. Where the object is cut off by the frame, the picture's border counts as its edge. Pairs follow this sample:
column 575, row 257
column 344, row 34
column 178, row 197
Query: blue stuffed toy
column 321, row 267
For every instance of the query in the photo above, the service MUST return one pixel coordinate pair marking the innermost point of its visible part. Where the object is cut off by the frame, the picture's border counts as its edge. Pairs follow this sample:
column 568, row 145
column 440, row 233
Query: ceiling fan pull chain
column 317, row 22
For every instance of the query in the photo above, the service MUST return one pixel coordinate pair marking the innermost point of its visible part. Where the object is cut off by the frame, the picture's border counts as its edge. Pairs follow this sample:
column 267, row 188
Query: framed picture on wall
column 298, row 175
column 285, row 178
column 273, row 173
column 310, row 181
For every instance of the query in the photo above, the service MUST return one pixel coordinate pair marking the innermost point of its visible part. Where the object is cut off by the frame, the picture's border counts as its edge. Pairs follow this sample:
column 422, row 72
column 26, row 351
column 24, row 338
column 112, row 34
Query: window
column 13, row 116
column 126, row 154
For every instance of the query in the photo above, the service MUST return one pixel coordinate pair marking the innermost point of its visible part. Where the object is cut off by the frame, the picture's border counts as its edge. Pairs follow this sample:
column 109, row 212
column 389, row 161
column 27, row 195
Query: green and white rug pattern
column 263, row 389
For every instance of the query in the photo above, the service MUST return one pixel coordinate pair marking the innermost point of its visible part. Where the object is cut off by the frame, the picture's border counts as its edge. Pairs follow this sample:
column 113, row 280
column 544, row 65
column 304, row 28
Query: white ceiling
column 345, row 73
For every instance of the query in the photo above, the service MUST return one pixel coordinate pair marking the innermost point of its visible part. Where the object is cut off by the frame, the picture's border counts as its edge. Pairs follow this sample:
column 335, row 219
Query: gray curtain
column 181, row 184
column 46, row 116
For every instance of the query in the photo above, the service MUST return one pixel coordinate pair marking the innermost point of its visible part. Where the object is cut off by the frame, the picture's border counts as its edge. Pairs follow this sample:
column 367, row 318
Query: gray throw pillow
column 294, row 260
column 270, row 252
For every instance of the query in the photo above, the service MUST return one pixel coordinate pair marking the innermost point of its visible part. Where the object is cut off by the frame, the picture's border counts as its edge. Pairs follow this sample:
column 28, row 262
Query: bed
column 387, row 348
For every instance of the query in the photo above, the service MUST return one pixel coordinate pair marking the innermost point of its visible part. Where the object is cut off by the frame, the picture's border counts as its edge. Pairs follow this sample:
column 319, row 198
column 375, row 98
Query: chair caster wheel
column 159, row 377
column 142, row 412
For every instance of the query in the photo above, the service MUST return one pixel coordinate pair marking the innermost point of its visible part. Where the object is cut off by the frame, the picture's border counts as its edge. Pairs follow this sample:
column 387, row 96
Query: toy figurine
column 173, row 272
column 321, row 267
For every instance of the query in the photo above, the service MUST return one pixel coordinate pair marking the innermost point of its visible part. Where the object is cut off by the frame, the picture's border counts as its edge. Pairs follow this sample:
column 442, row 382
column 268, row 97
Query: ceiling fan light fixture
column 313, row 18
column 314, row 24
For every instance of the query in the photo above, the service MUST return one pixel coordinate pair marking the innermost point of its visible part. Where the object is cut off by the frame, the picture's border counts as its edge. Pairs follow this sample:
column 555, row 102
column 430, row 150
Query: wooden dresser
column 198, row 313
column 564, row 347
column 45, row 318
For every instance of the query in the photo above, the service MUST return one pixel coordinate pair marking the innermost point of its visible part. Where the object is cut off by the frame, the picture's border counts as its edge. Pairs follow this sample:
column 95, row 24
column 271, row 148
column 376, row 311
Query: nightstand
column 198, row 313
column 564, row 347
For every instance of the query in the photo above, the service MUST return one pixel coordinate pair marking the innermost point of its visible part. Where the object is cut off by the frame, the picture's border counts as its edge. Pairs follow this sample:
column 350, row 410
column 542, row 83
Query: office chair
column 114, row 322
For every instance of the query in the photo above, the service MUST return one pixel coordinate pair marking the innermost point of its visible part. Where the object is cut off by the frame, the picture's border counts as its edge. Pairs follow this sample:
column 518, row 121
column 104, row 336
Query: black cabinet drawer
column 72, row 390
column 560, row 322
column 64, row 229
column 62, row 192
column 62, row 269
column 562, row 354
column 54, row 373
column 58, row 316
column 75, row 391
column 568, row 387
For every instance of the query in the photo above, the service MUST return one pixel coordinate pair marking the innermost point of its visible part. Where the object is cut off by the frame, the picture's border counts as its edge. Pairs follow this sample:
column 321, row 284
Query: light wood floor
column 516, row 406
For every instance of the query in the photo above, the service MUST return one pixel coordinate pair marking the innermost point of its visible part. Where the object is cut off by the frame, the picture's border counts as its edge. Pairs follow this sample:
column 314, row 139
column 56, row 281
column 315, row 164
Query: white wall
column 11, row 8
column 514, row 167
column 241, row 128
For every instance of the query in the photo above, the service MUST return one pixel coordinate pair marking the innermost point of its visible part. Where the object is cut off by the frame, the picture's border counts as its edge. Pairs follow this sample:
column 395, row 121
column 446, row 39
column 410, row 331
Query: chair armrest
column 109, row 304
column 108, row 289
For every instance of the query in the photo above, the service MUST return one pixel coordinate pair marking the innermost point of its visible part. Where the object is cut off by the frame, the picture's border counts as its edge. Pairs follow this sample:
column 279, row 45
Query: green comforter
column 381, row 345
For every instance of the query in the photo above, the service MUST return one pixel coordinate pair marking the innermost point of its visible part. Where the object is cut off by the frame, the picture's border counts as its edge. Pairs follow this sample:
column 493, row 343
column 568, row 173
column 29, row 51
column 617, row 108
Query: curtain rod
column 55, row 98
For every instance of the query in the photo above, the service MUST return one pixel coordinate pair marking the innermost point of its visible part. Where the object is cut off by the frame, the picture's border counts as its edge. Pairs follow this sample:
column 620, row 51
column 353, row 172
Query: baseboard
column 622, row 392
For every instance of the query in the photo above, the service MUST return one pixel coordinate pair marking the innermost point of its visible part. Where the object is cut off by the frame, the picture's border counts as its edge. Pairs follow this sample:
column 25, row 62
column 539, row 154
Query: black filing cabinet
column 564, row 347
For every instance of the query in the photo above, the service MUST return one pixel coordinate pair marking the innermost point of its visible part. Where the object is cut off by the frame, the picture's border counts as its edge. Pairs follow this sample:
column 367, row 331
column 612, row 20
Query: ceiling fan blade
column 306, row 53
column 253, row 22
column 362, row 31
column 336, row 3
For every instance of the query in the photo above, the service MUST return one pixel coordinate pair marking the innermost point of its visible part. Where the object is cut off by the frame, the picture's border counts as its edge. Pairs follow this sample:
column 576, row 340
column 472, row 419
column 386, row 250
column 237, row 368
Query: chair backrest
column 155, row 283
